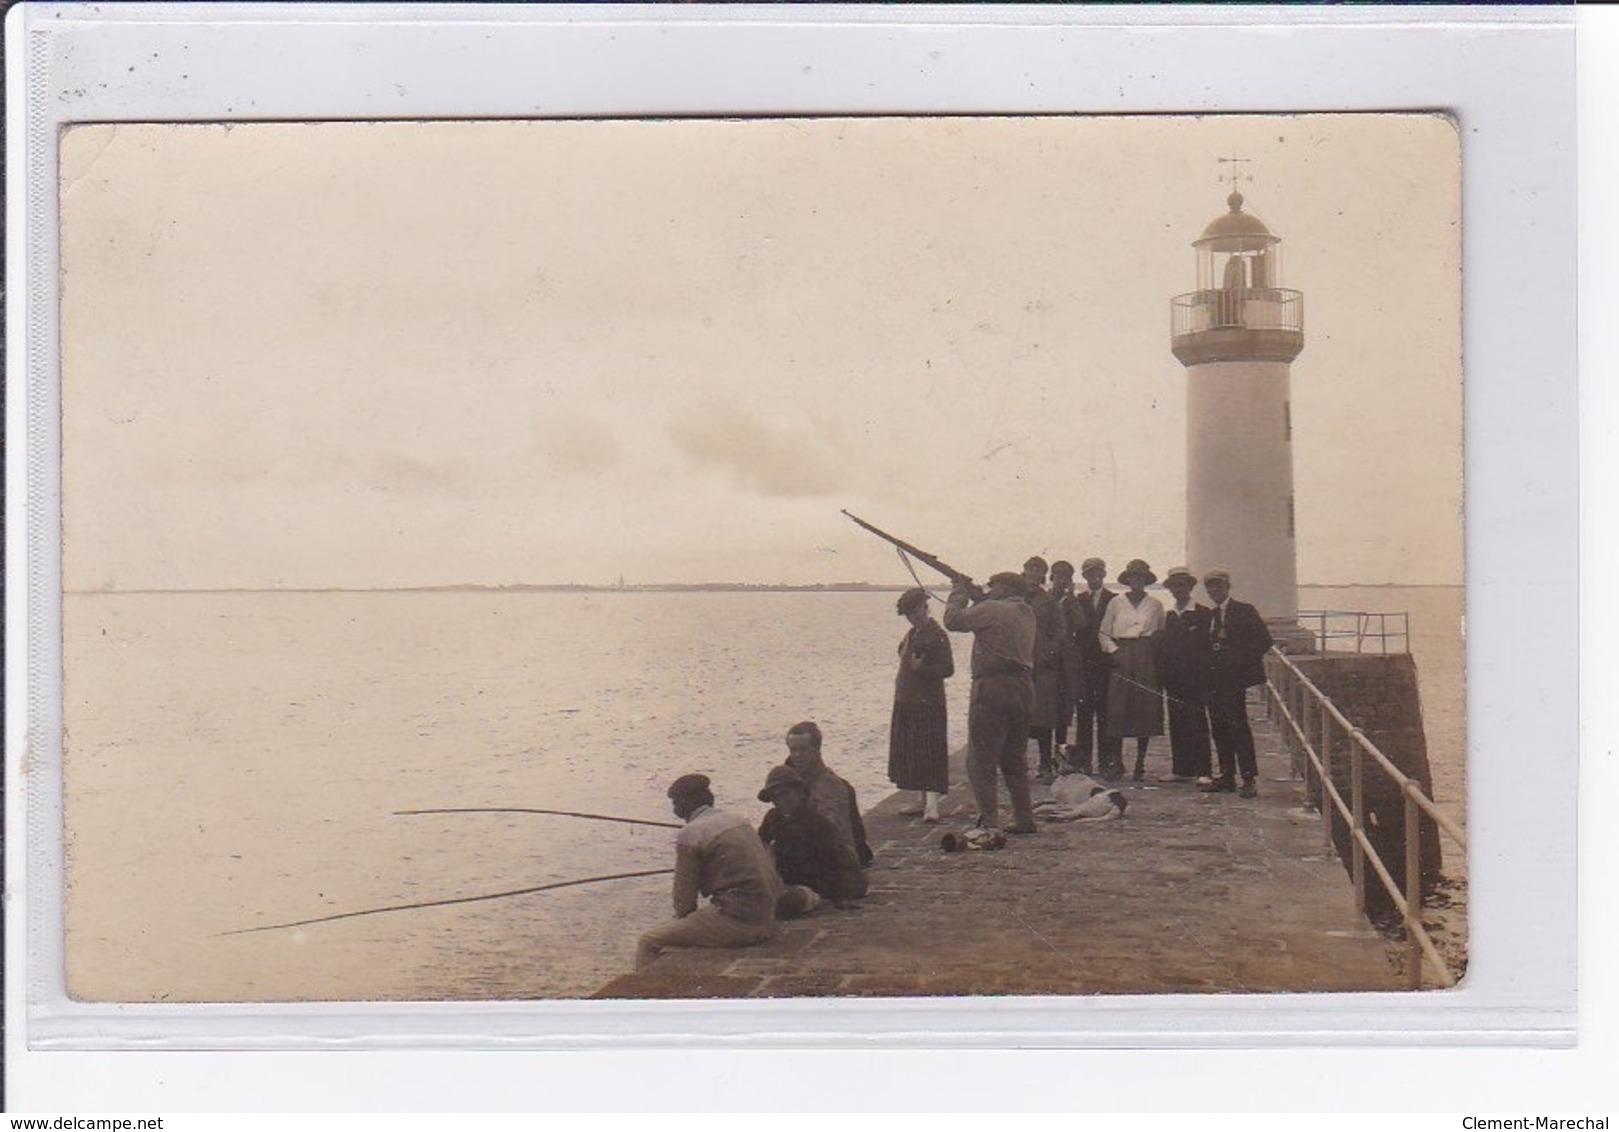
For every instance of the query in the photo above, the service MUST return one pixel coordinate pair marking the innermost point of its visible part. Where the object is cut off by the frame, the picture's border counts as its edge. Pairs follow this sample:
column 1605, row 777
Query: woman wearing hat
column 1135, row 704
column 918, row 745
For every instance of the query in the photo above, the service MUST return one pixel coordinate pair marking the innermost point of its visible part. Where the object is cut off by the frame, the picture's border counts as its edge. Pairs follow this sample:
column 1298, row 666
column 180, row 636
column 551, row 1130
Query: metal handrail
column 1328, row 720
column 1330, row 625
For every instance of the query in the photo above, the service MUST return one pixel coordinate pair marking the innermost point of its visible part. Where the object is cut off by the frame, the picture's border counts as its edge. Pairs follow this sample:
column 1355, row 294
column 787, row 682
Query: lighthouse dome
column 1236, row 231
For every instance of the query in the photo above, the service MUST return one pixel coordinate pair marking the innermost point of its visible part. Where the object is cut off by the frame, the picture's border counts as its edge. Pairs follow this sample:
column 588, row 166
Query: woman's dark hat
column 911, row 599
column 778, row 777
column 1137, row 569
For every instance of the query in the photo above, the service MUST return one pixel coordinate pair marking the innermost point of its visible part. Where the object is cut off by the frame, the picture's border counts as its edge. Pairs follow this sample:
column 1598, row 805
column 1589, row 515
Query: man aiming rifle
column 1002, row 703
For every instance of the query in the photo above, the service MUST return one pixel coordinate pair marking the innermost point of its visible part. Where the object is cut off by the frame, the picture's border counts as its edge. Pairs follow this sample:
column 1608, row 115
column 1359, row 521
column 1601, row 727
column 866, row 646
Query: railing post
column 1279, row 694
column 1301, row 711
column 1324, row 749
column 1413, row 892
column 1357, row 803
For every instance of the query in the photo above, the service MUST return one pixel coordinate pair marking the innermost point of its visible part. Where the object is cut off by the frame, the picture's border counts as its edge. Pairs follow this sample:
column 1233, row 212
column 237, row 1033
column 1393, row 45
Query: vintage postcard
column 436, row 496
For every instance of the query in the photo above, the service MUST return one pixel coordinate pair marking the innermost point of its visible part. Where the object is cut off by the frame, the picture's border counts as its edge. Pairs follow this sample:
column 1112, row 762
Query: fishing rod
column 530, row 810
column 452, row 900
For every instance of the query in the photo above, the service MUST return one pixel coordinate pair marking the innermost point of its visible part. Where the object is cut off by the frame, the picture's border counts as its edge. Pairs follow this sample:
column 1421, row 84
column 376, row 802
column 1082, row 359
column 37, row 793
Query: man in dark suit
column 1238, row 642
column 1090, row 691
column 1050, row 627
column 1182, row 660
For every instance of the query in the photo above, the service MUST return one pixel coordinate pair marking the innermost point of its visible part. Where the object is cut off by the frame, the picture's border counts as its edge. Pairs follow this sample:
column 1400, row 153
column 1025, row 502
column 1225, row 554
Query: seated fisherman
column 719, row 856
column 829, row 795
column 809, row 856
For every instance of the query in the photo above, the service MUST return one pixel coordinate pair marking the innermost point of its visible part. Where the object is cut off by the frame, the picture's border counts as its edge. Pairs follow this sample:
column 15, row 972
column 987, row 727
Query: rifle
column 919, row 554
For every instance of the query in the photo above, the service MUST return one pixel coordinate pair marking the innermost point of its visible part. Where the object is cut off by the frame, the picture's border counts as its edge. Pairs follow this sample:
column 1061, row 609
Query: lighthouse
column 1237, row 336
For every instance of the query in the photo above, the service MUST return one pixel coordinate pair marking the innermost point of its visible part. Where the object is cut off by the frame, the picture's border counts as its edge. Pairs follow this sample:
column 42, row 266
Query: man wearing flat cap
column 1049, row 631
column 1238, row 642
column 810, row 859
column 1002, row 699
column 717, row 855
column 1091, row 672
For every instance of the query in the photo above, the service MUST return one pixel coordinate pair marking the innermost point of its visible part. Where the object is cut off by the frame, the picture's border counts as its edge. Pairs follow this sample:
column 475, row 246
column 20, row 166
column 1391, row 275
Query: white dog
column 1077, row 796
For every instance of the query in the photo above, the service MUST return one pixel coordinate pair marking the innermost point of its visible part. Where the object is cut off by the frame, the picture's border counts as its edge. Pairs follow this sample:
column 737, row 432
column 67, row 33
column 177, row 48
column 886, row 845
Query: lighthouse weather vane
column 1236, row 174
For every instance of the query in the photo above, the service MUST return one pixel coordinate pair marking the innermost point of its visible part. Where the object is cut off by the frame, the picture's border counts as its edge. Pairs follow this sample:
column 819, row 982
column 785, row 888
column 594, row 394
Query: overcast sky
column 429, row 353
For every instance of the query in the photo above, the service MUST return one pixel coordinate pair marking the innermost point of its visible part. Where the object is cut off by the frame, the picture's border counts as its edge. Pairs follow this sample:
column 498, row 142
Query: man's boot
column 1022, row 807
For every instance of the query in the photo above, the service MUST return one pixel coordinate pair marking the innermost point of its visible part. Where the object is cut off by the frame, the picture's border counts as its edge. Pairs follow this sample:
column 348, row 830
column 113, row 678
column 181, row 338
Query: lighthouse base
column 1291, row 637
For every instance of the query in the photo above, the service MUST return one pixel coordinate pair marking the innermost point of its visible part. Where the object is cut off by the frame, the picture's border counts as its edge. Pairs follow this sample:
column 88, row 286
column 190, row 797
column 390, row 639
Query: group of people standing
column 1104, row 662
column 1043, row 658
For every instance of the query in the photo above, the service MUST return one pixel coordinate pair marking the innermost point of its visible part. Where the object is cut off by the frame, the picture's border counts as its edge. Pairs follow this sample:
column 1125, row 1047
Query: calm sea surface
column 235, row 760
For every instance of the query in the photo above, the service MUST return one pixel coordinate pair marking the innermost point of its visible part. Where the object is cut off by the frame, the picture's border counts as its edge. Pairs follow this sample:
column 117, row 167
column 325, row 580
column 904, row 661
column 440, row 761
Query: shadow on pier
column 1187, row 893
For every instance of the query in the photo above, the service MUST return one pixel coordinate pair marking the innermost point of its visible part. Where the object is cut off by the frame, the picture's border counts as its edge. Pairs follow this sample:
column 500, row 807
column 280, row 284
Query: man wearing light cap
column 1238, row 642
column 717, row 855
column 1183, row 670
column 998, row 713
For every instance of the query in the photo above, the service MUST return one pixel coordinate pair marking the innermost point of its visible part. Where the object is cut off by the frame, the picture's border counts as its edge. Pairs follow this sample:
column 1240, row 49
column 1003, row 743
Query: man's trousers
column 1233, row 740
column 1190, row 755
column 998, row 739
column 1092, row 712
column 706, row 927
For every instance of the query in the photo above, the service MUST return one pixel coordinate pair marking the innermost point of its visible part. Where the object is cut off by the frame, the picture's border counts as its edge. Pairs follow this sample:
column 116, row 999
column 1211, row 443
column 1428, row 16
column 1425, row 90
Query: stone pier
column 1187, row 893
column 1380, row 694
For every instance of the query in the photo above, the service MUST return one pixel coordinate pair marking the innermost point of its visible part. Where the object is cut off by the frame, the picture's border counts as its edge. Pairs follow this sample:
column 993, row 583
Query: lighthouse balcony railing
column 1313, row 726
column 1242, row 308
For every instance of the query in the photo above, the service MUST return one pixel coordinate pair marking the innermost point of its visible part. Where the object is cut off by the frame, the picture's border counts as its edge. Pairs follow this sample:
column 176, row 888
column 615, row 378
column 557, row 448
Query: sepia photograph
column 766, row 557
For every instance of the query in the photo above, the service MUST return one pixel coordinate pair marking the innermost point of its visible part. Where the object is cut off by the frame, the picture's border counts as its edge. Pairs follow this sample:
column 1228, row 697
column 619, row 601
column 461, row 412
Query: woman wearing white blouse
column 1135, row 705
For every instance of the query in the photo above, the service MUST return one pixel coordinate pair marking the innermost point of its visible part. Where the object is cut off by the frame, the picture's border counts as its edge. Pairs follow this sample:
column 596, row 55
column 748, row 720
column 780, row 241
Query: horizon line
column 641, row 587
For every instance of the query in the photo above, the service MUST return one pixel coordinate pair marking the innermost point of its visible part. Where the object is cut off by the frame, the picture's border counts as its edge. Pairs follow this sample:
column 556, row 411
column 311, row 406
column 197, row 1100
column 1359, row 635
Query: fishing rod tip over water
column 534, row 810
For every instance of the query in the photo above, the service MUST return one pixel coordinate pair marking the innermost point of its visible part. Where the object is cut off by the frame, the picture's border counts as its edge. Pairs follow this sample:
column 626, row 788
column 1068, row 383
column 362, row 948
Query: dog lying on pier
column 1078, row 797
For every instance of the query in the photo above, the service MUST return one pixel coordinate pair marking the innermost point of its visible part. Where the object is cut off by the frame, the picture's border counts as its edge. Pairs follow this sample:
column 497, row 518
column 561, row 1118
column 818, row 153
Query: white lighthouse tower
column 1237, row 335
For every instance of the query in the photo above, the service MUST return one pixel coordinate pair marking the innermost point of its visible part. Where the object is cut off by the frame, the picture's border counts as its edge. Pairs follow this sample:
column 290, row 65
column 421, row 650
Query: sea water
column 239, row 760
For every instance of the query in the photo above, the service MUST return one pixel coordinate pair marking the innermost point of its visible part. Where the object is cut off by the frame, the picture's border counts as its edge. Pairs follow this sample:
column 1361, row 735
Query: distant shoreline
column 669, row 587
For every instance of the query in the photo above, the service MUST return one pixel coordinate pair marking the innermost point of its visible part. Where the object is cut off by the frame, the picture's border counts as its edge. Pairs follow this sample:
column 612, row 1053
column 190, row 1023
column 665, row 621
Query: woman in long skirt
column 1135, row 704
column 918, row 746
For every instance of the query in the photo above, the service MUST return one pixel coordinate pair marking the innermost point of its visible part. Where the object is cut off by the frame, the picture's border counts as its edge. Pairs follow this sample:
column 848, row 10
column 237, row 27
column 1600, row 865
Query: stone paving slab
column 1188, row 893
